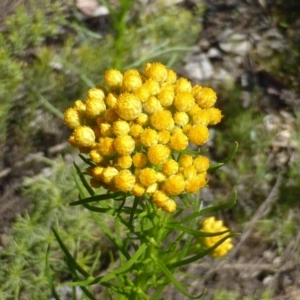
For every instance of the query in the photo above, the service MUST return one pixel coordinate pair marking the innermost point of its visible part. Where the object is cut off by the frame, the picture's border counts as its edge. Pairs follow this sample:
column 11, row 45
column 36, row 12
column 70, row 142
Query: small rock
column 237, row 43
column 214, row 53
column 267, row 280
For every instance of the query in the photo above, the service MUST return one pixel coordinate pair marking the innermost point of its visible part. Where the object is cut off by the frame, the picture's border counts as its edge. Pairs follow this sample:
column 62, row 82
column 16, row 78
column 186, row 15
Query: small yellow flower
column 106, row 146
column 160, row 177
column 111, row 115
column 124, row 161
column 170, row 167
column 183, row 85
column 95, row 94
column 171, row 77
column 124, row 144
column 128, row 106
column 212, row 225
column 139, row 160
column 162, row 119
column 136, row 130
column 169, row 206
column 181, row 118
column 152, row 105
column 184, row 101
column 194, row 184
column 105, row 129
column 205, row 97
column 147, row 177
column 201, row 117
column 164, row 136
column 131, row 81
column 142, row 119
column 108, row 174
column 185, row 160
column 84, row 136
column 215, row 116
column 189, row 172
column 166, row 95
column 120, row 127
column 124, row 181
column 96, row 156
column 158, row 154
column 179, row 141
column 198, row 134
column 97, row 172
column 174, row 185
column 152, row 188
column 80, row 106
column 149, row 137
column 138, row 190
column 73, row 118
column 142, row 93
column 159, row 198
column 95, row 107
column 201, row 163
column 152, row 86
column 111, row 100
column 156, row 71
column 113, row 78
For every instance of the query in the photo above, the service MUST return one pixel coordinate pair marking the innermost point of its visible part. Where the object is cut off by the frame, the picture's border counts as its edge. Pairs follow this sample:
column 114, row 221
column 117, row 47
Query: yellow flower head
column 124, row 144
column 181, row 118
column 152, row 105
column 205, row 97
column 105, row 129
column 170, row 167
column 162, row 119
column 185, row 161
column 95, row 107
column 113, row 78
column 142, row 119
column 179, row 141
column 156, row 71
column 166, row 95
column 184, row 101
column 128, row 106
column 152, row 86
column 139, row 160
column 142, row 93
column 201, row 163
column 138, row 190
column 183, row 85
column 120, row 127
column 158, row 154
column 201, row 117
column 124, row 161
column 194, row 184
column 212, row 225
column 215, row 116
column 106, row 146
column 149, row 137
column 174, row 185
column 111, row 100
column 108, row 174
column 164, row 136
column 73, row 118
column 131, row 81
column 96, row 156
column 198, row 134
column 80, row 106
column 136, row 130
column 147, row 177
column 97, row 172
column 124, row 181
column 84, row 136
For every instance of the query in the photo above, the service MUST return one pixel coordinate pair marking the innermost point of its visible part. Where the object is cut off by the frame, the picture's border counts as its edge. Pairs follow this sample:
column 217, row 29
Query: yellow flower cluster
column 213, row 226
column 132, row 128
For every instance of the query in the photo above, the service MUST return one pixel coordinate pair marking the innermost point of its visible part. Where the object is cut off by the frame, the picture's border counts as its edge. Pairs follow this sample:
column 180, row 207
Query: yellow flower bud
column 124, row 181
column 96, row 94
column 152, row 86
column 84, row 136
column 80, row 106
column 183, row 85
column 194, row 184
column 156, row 71
column 174, row 185
column 215, row 116
column 108, row 174
column 198, row 134
column 124, row 144
column 160, row 177
column 124, row 161
column 152, row 105
column 139, row 160
column 147, row 177
column 169, row 206
column 149, row 137
column 212, row 225
column 136, row 130
column 189, row 172
column 159, row 198
column 128, row 106
column 142, row 93
column 111, row 115
column 152, row 188
column 106, row 146
column 96, row 156
column 171, row 78
column 162, row 119
column 179, row 141
column 105, row 129
column 166, row 95
column 142, row 119
column 194, row 110
column 185, row 160
column 205, row 97
column 170, row 167
column 97, row 172
column 158, row 154
column 120, row 128
column 201, row 117
column 201, row 163
column 71, row 140
column 164, row 136
column 95, row 107
column 111, row 100
column 138, row 190
column 73, row 118
column 186, row 128
column 131, row 81
column 181, row 118
column 184, row 101
column 113, row 78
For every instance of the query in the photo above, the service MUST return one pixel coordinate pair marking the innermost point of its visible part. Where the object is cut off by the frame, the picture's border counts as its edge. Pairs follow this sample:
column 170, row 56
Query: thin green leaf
column 210, row 210
column 97, row 198
column 84, row 182
column 225, row 160
column 199, row 255
column 176, row 283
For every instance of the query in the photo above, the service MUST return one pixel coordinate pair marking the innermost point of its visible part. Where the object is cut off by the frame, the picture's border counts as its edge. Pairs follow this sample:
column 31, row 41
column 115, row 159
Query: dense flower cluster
column 132, row 129
column 213, row 226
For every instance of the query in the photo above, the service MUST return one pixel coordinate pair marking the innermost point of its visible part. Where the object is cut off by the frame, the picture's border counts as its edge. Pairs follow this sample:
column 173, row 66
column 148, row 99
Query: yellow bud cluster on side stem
column 131, row 129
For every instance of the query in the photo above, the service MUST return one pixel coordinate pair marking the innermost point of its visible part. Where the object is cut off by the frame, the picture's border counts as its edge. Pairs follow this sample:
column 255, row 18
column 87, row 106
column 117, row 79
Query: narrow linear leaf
column 176, row 283
column 97, row 198
column 84, row 182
